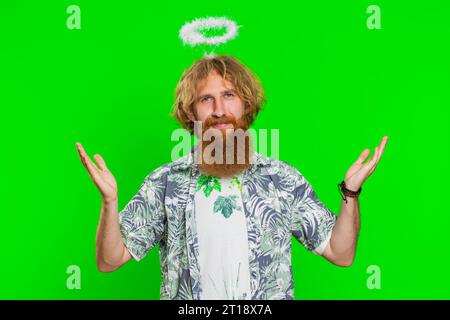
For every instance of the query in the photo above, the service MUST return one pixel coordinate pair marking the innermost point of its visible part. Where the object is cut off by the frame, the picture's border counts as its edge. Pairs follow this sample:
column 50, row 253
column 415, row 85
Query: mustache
column 211, row 121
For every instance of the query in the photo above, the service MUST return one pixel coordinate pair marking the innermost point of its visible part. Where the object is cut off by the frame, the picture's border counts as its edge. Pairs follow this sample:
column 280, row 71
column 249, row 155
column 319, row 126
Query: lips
column 223, row 125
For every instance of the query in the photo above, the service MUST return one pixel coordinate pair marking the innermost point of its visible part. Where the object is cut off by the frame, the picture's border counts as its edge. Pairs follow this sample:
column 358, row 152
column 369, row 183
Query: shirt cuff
column 321, row 247
column 133, row 254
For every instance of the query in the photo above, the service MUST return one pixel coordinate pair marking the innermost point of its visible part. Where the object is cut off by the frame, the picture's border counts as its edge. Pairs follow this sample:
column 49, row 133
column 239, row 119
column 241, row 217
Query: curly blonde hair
column 246, row 84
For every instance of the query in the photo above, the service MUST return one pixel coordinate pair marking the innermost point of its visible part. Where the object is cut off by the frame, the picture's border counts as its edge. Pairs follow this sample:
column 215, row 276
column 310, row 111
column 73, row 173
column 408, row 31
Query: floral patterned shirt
column 278, row 203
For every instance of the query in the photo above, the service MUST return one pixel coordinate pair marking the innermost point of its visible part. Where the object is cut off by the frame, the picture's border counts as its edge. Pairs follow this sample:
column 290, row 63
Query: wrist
column 350, row 186
column 350, row 200
column 348, row 193
column 108, row 201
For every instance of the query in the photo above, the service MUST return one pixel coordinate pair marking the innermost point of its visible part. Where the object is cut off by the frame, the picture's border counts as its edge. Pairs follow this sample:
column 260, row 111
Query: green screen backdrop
column 334, row 87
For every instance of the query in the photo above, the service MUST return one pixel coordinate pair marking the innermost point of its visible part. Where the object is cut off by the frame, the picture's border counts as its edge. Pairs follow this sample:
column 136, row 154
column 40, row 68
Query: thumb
column 100, row 161
column 363, row 156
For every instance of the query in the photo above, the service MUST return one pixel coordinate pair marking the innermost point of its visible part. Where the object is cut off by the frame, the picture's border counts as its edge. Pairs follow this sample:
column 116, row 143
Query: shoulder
column 280, row 168
column 163, row 171
column 288, row 180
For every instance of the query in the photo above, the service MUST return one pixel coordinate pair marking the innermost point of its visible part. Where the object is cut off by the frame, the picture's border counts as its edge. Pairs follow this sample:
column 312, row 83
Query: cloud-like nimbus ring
column 190, row 34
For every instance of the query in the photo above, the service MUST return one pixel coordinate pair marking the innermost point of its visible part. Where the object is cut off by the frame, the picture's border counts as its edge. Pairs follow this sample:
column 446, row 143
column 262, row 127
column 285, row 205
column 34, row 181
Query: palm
column 101, row 176
column 108, row 181
column 355, row 173
column 359, row 171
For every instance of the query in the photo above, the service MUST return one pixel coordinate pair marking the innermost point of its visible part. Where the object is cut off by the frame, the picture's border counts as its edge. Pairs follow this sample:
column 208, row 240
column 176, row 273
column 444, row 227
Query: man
column 224, row 228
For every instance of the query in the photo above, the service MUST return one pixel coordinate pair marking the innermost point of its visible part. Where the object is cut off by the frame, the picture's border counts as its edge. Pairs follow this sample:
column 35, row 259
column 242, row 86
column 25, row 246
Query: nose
column 219, row 109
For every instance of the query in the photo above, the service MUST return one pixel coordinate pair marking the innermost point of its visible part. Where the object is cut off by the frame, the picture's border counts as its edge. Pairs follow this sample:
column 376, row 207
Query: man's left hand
column 359, row 172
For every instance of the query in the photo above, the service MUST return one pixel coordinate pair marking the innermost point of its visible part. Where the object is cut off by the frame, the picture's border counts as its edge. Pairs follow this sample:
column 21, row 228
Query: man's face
column 219, row 108
column 217, row 102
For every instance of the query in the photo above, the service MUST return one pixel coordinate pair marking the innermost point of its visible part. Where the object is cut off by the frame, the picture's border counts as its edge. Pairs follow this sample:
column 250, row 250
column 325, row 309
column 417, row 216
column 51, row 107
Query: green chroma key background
column 333, row 86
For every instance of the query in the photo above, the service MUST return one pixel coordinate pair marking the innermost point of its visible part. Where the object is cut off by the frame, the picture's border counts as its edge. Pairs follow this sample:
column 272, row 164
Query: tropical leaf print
column 235, row 180
column 226, row 205
column 209, row 183
column 278, row 203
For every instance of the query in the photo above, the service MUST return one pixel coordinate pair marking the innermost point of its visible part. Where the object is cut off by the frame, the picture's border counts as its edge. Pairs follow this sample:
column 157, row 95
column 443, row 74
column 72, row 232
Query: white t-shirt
column 222, row 238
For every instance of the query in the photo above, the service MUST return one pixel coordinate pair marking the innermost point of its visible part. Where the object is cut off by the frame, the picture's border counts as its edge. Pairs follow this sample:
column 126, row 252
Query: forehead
column 213, row 83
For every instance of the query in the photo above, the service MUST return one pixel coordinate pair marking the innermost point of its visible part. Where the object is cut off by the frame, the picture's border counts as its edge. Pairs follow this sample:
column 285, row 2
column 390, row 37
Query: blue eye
column 229, row 94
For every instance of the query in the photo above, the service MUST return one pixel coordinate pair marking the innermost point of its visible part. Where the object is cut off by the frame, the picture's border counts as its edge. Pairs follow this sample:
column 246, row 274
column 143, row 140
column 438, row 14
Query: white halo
column 190, row 35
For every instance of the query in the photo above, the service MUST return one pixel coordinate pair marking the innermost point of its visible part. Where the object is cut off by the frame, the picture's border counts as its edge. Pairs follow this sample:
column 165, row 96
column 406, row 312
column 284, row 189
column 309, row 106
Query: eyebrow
column 222, row 92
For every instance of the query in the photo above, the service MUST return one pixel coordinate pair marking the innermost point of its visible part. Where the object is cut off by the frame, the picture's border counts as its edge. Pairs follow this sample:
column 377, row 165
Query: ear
column 248, row 115
column 247, row 112
column 190, row 116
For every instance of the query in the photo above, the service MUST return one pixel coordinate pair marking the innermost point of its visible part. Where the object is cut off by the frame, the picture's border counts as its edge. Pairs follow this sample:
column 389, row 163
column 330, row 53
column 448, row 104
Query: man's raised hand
column 102, row 177
column 360, row 171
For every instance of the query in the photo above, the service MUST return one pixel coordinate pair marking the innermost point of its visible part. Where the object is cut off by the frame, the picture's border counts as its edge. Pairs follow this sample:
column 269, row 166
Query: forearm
column 109, row 245
column 345, row 232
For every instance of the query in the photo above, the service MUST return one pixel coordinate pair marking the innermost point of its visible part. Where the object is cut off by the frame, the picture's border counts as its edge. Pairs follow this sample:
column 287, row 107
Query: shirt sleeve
column 142, row 221
column 312, row 222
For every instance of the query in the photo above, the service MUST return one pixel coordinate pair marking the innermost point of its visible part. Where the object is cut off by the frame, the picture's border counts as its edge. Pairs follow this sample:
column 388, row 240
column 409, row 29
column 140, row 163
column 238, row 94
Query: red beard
column 234, row 144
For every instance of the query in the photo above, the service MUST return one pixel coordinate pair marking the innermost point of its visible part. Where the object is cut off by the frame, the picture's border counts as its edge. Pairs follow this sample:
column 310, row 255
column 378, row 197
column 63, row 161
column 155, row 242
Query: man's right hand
column 111, row 252
column 102, row 177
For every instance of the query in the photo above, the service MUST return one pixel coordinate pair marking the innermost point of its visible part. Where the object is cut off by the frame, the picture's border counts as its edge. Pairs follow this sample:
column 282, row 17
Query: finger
column 88, row 160
column 92, row 169
column 89, row 165
column 79, row 146
column 374, row 165
column 379, row 152
column 100, row 161
column 375, row 154
column 363, row 156
column 372, row 170
column 383, row 146
column 373, row 159
column 369, row 165
column 80, row 154
column 381, row 149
